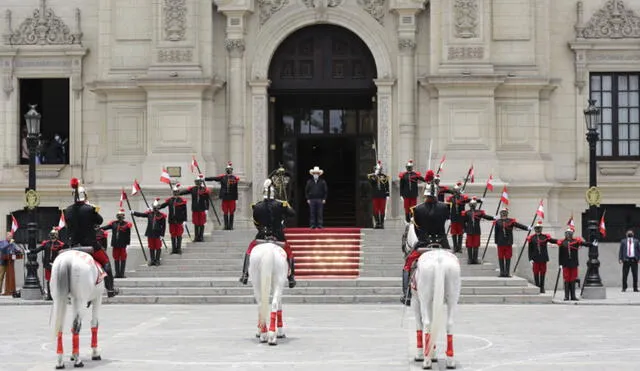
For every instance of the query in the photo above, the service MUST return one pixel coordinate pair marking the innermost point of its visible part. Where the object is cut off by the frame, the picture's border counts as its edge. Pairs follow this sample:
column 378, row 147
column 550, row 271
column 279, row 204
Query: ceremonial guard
column 269, row 216
column 409, row 188
column 471, row 221
column 50, row 248
column 228, row 194
column 200, row 200
column 280, row 179
column 442, row 189
column 120, row 239
column 177, row 216
column 457, row 202
column 429, row 219
column 568, row 260
column 538, row 254
column 503, row 237
column 83, row 222
column 380, row 184
column 156, row 226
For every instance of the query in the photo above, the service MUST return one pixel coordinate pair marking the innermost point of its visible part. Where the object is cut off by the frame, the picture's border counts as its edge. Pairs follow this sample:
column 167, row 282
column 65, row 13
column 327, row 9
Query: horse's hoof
column 282, row 336
column 96, row 358
column 78, row 365
column 451, row 363
column 418, row 359
column 60, row 367
column 72, row 358
column 273, row 343
column 434, row 360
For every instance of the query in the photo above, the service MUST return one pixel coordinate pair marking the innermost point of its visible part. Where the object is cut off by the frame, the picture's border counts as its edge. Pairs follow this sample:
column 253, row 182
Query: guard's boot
column 469, row 256
column 407, row 217
column 230, row 222
column 158, row 253
column 507, row 268
column 475, row 255
column 116, row 263
column 108, row 281
column 49, row 292
column 123, row 265
column 202, row 233
column 536, row 278
column 376, row 217
column 566, row 291
column 292, row 276
column 382, row 221
column 406, row 293
column 245, row 270
column 460, row 243
column 501, row 262
column 572, row 290
column 178, row 245
column 454, row 243
column 542, row 283
column 226, row 222
column 173, row 246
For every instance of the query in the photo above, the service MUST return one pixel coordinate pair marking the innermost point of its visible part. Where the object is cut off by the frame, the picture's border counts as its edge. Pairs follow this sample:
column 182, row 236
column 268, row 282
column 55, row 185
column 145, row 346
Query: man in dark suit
column 628, row 257
column 316, row 194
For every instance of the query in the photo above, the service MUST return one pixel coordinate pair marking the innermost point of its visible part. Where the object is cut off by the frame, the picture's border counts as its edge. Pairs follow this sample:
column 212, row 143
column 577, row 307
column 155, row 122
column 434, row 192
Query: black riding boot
column 501, row 262
column 178, row 246
column 116, row 263
column 507, row 268
column 49, row 292
column 292, row 276
column 245, row 270
column 406, row 292
column 108, row 281
column 542, row 283
column 407, row 217
column 536, row 279
column 230, row 222
column 376, row 217
column 459, row 243
column 469, row 256
column 123, row 265
column 158, row 253
column 566, row 291
column 382, row 221
column 173, row 246
column 474, row 255
column 202, row 233
column 226, row 222
column 572, row 290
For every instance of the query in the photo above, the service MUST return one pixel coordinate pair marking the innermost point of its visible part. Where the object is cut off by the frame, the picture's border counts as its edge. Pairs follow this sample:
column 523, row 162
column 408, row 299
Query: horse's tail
column 266, row 273
column 62, row 290
column 437, row 306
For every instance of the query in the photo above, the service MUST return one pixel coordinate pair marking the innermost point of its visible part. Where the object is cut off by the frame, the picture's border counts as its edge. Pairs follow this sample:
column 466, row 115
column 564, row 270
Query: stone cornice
column 161, row 83
column 237, row 7
column 462, row 81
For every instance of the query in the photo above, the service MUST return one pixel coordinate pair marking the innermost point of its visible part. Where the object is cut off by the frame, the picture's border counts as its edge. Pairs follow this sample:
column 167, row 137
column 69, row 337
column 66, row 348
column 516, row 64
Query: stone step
column 320, row 299
column 347, row 291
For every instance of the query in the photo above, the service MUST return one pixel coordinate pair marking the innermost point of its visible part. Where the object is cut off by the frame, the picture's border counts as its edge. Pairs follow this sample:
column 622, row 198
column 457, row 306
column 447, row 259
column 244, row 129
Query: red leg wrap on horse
column 60, row 349
column 94, row 337
column 263, row 327
column 272, row 322
column 75, row 342
column 427, row 344
column 279, row 318
column 449, row 345
column 419, row 338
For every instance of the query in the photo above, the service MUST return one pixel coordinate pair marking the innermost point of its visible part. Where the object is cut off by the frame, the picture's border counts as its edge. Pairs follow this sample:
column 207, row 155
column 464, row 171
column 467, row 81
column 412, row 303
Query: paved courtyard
column 330, row 337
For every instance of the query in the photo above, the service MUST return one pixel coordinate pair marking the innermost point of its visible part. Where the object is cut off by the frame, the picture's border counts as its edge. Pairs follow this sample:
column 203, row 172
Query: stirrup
column 292, row 282
column 112, row 293
column 244, row 278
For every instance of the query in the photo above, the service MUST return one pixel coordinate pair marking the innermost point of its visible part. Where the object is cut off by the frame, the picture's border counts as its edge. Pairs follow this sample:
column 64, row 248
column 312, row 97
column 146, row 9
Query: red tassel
column 60, row 349
column 449, row 345
column 419, row 338
column 279, row 315
column 75, row 342
column 272, row 322
column 75, row 183
column 94, row 337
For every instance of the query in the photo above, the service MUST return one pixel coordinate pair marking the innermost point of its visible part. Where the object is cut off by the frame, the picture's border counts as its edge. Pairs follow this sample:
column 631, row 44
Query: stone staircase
column 207, row 273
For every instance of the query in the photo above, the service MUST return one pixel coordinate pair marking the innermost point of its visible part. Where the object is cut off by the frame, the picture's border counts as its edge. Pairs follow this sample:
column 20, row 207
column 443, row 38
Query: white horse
column 436, row 281
column 268, row 270
column 75, row 275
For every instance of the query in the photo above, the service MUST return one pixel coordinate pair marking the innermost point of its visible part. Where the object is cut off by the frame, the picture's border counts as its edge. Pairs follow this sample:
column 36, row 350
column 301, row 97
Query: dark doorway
column 323, row 113
column 52, row 99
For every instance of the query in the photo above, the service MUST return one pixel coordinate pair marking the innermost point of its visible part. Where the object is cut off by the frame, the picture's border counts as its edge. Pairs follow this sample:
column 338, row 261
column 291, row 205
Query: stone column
column 406, row 100
column 384, row 142
column 235, row 47
column 259, row 120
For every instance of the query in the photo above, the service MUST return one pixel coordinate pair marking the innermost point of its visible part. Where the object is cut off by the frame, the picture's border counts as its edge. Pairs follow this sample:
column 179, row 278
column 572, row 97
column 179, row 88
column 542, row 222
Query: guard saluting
column 177, row 216
column 228, row 194
column 200, row 198
column 380, row 184
column 409, row 188
column 51, row 248
column 538, row 254
column 504, row 239
column 120, row 239
column 156, row 226
column 568, row 260
column 471, row 220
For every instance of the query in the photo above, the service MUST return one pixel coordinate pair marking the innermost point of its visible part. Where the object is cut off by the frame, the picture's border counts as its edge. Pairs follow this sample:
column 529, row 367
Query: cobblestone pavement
column 330, row 337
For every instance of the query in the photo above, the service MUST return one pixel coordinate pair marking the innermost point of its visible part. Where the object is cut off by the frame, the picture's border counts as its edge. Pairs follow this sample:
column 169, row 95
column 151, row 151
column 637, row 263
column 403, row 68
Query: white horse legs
column 95, row 352
column 60, row 352
column 280, row 330
column 276, row 317
column 451, row 363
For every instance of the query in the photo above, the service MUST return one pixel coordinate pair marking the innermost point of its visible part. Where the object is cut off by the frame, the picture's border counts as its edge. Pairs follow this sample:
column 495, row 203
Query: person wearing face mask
column 120, row 239
column 316, row 194
column 380, row 184
column 228, row 194
column 628, row 256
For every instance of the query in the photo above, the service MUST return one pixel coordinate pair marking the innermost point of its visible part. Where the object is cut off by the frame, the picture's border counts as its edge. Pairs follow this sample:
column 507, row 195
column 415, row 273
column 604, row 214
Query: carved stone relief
column 406, row 44
column 465, row 13
column 322, row 3
column 269, row 8
column 460, row 52
column 613, row 21
column 235, row 47
column 374, row 7
column 7, row 76
column 175, row 55
column 44, row 27
column 175, row 19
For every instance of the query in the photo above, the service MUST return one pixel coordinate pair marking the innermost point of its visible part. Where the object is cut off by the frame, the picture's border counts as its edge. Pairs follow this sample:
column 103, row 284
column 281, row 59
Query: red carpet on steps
column 326, row 253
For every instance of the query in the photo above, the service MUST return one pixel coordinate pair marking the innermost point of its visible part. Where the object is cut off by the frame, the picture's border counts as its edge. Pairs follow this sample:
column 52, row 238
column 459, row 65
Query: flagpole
column 535, row 215
column 136, row 227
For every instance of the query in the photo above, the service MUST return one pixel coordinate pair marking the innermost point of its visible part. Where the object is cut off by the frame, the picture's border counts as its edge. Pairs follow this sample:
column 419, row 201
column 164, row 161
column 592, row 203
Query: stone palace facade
column 501, row 84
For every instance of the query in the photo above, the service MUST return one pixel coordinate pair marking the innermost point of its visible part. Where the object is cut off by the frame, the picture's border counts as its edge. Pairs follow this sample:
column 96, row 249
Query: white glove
column 529, row 228
column 595, row 243
column 132, row 212
column 531, row 261
column 496, row 217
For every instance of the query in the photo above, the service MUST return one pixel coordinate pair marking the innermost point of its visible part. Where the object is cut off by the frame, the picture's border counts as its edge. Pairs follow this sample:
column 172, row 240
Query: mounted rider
column 269, row 216
column 83, row 222
column 280, row 179
column 429, row 219
column 380, row 184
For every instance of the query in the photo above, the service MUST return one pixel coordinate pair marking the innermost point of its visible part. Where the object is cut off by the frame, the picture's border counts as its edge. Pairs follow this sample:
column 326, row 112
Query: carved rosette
column 175, row 19
column 376, row 8
column 235, row 47
column 44, row 27
column 613, row 21
column 406, row 45
column 465, row 13
column 269, row 8
column 175, row 55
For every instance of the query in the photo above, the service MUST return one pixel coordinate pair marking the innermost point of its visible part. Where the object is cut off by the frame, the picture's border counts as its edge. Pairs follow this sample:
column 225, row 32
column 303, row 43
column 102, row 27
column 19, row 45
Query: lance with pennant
column 123, row 196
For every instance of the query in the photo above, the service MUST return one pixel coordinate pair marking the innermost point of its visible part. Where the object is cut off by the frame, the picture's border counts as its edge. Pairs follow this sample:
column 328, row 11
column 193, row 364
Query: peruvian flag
column 471, row 176
column 136, row 187
column 194, row 164
column 490, row 183
column 165, row 177
column 505, row 196
column 441, row 166
column 14, row 224
column 62, row 223
column 571, row 224
column 540, row 211
column 602, row 227
column 123, row 196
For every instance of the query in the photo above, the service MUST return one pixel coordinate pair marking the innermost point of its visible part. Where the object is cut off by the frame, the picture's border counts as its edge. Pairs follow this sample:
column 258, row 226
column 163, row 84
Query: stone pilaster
column 385, row 113
column 259, row 120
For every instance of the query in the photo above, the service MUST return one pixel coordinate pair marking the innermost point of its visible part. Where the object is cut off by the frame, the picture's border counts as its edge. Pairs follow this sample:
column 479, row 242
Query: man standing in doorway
column 316, row 194
column 628, row 257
